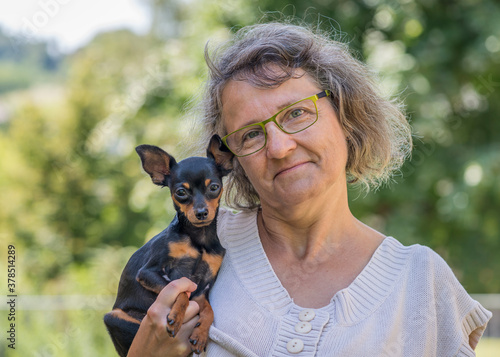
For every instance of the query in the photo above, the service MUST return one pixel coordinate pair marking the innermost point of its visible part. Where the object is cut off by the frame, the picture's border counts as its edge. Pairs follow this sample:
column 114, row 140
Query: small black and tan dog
column 188, row 247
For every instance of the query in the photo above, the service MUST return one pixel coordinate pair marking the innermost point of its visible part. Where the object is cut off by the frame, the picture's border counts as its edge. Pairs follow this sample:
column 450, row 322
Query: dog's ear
column 156, row 162
column 220, row 154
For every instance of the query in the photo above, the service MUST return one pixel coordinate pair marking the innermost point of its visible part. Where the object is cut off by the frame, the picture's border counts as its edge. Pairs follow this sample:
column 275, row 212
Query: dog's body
column 188, row 247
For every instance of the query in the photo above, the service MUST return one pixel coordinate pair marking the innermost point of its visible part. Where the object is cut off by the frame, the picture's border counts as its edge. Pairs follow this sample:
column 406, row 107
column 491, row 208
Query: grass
column 60, row 334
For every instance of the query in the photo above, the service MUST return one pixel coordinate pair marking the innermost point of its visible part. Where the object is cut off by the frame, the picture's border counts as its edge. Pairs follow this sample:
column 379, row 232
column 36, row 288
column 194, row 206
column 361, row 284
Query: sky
column 71, row 23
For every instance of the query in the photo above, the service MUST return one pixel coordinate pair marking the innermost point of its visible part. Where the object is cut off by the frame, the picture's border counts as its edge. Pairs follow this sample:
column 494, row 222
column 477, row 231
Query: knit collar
column 239, row 235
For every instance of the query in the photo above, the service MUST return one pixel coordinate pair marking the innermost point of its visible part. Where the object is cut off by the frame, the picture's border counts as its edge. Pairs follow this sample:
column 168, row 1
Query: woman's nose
column 279, row 143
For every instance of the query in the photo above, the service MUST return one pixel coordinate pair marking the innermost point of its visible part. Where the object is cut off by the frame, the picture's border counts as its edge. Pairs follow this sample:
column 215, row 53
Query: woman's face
column 291, row 168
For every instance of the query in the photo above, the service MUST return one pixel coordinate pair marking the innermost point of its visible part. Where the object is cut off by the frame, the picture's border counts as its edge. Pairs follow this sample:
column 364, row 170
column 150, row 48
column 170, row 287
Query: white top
column 405, row 302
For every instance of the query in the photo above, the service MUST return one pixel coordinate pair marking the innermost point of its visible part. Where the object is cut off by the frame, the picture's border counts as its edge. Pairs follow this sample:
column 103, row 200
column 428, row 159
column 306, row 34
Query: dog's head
column 195, row 183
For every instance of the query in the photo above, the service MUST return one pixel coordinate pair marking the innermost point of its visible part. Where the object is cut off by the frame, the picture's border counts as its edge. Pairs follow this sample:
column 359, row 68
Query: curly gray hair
column 379, row 136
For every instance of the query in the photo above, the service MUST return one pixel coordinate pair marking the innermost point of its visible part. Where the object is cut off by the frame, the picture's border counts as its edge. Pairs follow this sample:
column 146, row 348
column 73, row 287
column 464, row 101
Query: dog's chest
column 187, row 261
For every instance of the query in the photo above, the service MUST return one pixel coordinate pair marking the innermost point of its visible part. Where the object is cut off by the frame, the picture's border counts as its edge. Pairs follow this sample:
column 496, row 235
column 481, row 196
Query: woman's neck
column 322, row 254
column 304, row 230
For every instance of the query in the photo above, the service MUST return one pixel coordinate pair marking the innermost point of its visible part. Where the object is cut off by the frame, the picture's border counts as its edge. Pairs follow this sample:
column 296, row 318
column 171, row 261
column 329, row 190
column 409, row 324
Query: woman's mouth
column 291, row 168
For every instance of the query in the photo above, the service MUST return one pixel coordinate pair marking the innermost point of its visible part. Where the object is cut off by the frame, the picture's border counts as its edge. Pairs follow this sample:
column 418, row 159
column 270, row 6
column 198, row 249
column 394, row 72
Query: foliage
column 76, row 202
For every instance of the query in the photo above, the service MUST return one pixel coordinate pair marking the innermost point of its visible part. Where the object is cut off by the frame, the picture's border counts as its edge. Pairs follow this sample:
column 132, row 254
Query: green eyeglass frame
column 314, row 98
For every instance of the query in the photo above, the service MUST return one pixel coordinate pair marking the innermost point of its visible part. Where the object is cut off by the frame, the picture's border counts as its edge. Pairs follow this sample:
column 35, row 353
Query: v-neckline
column 366, row 292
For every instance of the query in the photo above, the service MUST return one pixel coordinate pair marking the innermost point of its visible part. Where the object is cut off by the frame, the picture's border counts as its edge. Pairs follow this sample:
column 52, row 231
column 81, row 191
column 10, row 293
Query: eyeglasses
column 292, row 119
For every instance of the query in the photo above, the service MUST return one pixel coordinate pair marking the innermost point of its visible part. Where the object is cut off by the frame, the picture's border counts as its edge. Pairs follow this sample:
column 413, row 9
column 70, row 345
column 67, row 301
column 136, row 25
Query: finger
column 189, row 325
column 163, row 303
column 192, row 310
column 169, row 293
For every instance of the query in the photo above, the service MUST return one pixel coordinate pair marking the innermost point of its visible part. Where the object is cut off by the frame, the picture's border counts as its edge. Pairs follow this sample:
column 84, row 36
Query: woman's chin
column 293, row 193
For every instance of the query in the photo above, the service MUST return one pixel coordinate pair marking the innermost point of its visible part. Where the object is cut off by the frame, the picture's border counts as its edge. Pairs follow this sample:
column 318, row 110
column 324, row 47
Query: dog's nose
column 201, row 213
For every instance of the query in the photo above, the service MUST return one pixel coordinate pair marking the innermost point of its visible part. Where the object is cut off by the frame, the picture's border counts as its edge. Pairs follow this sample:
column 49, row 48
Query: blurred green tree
column 76, row 202
column 73, row 182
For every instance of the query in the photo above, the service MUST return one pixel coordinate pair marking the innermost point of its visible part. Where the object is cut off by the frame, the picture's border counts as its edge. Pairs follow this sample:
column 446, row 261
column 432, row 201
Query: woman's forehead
column 244, row 103
column 266, row 77
column 238, row 92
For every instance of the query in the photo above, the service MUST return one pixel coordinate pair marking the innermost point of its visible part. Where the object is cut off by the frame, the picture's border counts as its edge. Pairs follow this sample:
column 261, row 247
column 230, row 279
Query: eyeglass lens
column 291, row 120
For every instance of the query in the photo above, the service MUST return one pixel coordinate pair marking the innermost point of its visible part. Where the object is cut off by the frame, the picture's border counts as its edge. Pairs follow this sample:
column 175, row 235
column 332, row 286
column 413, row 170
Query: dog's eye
column 181, row 192
column 214, row 187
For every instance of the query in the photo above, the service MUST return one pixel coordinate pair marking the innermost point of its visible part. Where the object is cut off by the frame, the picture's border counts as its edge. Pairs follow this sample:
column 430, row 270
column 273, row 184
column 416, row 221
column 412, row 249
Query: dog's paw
column 199, row 339
column 176, row 315
column 174, row 322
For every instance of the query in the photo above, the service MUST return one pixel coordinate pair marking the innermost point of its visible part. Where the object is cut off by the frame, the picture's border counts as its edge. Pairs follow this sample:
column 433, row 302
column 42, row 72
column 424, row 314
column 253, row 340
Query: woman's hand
column 152, row 338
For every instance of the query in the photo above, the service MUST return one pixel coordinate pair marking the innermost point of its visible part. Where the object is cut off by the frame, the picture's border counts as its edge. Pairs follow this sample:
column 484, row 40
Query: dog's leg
column 151, row 280
column 199, row 337
column 176, row 316
column 122, row 328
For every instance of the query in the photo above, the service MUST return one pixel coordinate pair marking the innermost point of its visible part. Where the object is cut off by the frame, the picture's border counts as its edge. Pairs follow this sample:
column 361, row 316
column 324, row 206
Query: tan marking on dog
column 213, row 260
column 175, row 201
column 186, row 209
column 186, row 186
column 122, row 315
column 182, row 249
column 207, row 182
column 212, row 206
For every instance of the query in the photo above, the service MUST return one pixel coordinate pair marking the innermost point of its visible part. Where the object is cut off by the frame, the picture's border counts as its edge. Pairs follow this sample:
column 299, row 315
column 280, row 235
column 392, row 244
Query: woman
column 301, row 274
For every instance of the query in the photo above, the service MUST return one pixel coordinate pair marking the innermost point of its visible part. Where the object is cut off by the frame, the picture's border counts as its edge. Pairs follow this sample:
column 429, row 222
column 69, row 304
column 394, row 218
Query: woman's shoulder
column 233, row 224
column 418, row 255
column 456, row 311
column 419, row 267
column 416, row 267
column 229, row 216
column 428, row 272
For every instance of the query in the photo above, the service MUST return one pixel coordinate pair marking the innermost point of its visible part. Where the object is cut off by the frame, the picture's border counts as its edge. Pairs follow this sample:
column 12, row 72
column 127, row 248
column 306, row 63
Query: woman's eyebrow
column 278, row 108
column 286, row 104
column 283, row 105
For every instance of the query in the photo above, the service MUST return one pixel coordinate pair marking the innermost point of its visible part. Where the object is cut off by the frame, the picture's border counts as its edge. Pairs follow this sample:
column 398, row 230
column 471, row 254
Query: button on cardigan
column 406, row 302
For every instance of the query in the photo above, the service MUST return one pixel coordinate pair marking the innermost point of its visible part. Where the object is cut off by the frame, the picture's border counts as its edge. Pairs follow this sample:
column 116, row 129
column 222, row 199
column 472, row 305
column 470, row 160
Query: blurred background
column 83, row 82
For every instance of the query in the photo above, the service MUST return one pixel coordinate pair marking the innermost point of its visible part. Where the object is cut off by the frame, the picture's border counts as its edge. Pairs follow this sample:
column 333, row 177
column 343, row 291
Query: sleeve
column 475, row 323
column 460, row 318
column 222, row 218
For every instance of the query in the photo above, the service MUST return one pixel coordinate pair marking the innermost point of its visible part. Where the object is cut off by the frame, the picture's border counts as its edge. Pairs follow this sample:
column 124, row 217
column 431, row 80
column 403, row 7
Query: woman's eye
column 251, row 135
column 181, row 192
column 214, row 187
column 296, row 113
